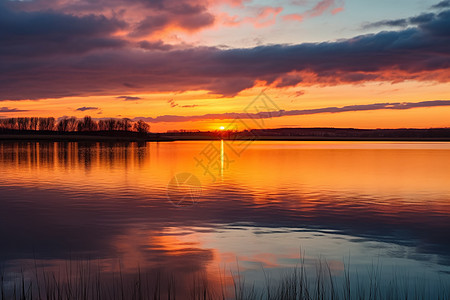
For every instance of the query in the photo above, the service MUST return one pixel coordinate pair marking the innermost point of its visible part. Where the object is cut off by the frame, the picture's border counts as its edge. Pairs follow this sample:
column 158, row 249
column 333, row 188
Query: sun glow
column 222, row 127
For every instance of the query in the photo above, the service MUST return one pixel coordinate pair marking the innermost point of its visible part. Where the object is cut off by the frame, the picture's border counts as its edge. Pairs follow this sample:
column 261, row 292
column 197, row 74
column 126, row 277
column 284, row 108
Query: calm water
column 263, row 207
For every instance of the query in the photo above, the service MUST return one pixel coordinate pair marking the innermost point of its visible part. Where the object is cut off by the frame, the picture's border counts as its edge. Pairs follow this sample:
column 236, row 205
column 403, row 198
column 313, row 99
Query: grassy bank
column 86, row 280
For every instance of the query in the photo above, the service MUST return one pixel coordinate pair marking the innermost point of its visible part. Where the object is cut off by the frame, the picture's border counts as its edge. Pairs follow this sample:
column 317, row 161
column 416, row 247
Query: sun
column 222, row 127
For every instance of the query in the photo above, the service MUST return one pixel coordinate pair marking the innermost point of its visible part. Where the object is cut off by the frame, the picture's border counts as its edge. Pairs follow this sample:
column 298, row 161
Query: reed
column 86, row 280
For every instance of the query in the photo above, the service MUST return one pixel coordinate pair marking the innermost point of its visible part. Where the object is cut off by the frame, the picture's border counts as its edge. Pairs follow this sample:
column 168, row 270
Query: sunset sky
column 192, row 64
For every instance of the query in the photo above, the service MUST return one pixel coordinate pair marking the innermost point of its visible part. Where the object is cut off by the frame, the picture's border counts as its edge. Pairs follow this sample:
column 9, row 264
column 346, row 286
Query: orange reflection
column 115, row 197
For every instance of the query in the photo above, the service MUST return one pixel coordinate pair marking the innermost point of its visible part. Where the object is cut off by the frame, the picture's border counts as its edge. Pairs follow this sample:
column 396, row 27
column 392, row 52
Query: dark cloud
column 128, row 98
column 390, row 23
column 281, row 113
column 439, row 26
column 417, row 20
column 442, row 4
column 84, row 108
column 145, row 17
column 289, row 80
column 151, row 24
column 423, row 18
column 7, row 109
column 196, row 22
column 48, row 33
column 155, row 45
column 417, row 53
column 154, row 23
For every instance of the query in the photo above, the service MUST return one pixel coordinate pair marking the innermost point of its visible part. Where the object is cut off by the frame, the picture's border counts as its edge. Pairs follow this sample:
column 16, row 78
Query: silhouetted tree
column 34, row 123
column 141, row 127
column 13, row 123
column 87, row 124
column 23, row 123
column 102, row 125
column 124, row 124
column 111, row 124
column 70, row 124
column 47, row 124
column 63, row 124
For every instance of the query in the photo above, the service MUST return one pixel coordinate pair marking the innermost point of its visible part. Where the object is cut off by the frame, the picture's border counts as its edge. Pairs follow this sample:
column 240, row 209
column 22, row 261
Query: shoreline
column 164, row 138
column 77, row 138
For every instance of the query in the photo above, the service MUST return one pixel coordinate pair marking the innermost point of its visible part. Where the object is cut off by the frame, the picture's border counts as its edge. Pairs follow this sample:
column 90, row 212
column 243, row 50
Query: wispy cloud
column 319, row 9
column 129, row 98
column 281, row 113
column 442, row 4
column 85, row 108
column 172, row 103
column 7, row 110
column 417, row 20
column 264, row 16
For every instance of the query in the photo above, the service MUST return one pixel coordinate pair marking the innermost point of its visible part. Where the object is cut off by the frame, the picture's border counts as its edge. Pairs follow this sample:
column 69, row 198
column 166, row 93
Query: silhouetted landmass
column 80, row 136
column 432, row 134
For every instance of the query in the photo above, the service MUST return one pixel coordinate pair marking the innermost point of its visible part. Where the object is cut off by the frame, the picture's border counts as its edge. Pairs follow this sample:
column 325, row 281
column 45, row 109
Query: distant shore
column 54, row 136
column 280, row 134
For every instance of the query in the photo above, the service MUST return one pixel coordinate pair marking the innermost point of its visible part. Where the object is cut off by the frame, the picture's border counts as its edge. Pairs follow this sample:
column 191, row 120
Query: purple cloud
column 155, row 45
column 7, row 110
column 128, row 98
column 84, row 108
column 46, row 33
column 281, row 113
column 86, row 60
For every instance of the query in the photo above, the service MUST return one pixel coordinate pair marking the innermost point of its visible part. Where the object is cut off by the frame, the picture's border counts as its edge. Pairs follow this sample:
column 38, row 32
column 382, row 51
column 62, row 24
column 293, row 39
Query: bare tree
column 87, row 124
column 141, row 127
column 23, row 123
column 102, row 125
column 63, row 124
column 72, row 124
column 13, row 124
column 124, row 124
column 47, row 124
column 111, row 124
column 34, row 123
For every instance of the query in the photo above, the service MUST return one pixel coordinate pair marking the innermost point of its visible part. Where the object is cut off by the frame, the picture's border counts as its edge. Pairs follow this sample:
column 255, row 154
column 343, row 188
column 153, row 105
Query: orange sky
column 157, row 104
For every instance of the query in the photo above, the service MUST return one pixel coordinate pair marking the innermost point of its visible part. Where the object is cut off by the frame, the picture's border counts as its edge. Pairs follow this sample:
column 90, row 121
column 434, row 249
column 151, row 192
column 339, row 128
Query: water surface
column 262, row 208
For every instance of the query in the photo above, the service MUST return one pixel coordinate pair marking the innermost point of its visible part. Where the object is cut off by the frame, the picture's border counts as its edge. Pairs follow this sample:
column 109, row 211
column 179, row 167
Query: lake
column 200, row 213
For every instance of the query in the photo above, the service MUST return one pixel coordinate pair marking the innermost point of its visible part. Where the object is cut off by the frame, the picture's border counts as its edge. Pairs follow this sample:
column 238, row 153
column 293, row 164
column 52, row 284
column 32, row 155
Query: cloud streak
column 85, row 108
column 319, row 9
column 282, row 113
column 442, row 4
column 417, row 20
column 128, row 98
column 8, row 110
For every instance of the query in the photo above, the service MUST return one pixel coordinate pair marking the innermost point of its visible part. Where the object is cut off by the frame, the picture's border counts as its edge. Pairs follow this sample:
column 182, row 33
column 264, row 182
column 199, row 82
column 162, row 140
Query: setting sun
column 222, row 127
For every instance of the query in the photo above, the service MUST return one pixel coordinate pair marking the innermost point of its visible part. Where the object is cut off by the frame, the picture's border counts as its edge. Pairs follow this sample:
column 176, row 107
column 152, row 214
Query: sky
column 197, row 65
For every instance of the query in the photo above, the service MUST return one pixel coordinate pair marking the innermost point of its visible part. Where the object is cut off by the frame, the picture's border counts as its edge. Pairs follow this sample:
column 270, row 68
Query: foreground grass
column 85, row 280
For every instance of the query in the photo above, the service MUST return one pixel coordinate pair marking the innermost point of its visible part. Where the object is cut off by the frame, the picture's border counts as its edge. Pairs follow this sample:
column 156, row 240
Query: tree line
column 72, row 124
